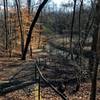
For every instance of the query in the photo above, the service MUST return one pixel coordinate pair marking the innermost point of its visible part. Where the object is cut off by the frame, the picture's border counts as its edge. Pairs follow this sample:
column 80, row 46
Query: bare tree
column 5, row 19
column 29, row 5
column 20, row 24
column 31, row 28
column 72, row 25
column 96, row 49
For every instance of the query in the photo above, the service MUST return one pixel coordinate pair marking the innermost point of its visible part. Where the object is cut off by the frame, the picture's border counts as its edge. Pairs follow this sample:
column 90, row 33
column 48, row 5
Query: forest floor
column 9, row 66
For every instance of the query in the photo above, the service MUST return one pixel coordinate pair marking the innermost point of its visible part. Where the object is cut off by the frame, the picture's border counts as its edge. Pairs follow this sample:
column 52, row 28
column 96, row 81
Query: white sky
column 60, row 1
column 57, row 1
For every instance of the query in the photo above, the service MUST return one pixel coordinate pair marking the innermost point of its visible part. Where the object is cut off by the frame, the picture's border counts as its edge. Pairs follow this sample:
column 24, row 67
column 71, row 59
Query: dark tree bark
column 72, row 26
column 80, row 12
column 29, row 5
column 20, row 24
column 96, row 49
column 31, row 28
column 5, row 19
column 94, row 79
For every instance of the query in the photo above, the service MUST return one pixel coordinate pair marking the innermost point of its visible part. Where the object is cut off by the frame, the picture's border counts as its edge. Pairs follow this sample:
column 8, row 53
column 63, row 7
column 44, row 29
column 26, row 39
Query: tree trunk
column 29, row 5
column 31, row 28
column 20, row 24
column 94, row 83
column 72, row 26
column 5, row 19
column 95, row 49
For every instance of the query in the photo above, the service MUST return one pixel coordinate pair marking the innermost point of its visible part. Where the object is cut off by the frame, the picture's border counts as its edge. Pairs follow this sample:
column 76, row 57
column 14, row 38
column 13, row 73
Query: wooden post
column 35, row 73
column 36, row 92
column 39, row 95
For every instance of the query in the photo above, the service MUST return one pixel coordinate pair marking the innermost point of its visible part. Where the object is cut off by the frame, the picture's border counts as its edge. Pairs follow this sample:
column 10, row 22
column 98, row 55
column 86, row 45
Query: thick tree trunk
column 96, row 49
column 31, row 28
column 94, row 83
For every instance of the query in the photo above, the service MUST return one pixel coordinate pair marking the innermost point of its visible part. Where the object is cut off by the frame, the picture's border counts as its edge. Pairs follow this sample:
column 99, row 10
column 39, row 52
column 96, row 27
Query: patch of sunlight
column 36, row 92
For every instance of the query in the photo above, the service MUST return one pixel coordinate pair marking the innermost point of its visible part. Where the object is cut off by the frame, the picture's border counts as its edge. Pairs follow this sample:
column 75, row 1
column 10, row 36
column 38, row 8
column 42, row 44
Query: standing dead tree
column 31, row 28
